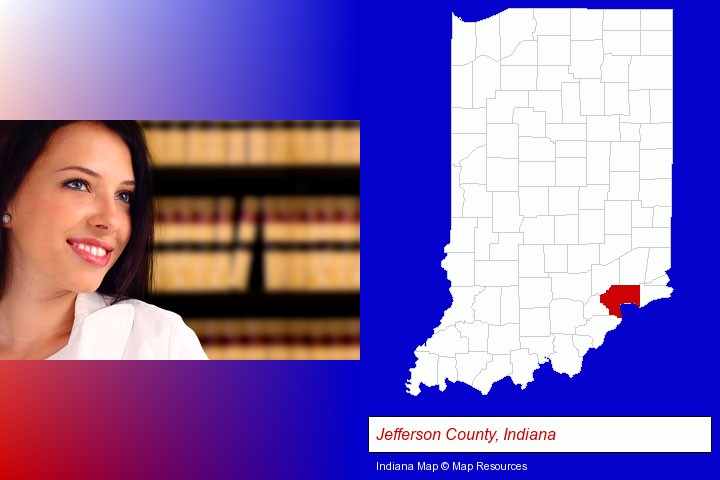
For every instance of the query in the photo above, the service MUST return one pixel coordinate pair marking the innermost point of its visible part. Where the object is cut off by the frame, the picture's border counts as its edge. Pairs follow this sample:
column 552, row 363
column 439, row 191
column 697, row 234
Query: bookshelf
column 262, row 304
column 267, row 215
column 258, row 180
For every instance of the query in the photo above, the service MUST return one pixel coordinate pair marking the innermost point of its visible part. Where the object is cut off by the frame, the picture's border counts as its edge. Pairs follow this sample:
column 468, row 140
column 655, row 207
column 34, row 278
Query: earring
column 6, row 218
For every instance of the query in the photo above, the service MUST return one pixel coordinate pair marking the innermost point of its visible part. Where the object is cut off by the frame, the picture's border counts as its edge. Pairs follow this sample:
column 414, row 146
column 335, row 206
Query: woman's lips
column 94, row 255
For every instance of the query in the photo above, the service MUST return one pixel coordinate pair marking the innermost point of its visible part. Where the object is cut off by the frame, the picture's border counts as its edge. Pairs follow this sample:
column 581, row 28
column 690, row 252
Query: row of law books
column 282, row 219
column 206, row 244
column 197, row 271
column 253, row 143
column 279, row 339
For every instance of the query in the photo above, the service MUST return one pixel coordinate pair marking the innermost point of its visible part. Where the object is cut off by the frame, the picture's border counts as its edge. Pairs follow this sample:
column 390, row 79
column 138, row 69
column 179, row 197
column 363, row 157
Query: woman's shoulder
column 152, row 313
column 95, row 302
column 156, row 328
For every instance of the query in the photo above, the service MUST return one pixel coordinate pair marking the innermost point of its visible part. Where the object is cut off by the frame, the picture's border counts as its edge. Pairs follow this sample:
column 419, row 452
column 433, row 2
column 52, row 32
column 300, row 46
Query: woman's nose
column 106, row 214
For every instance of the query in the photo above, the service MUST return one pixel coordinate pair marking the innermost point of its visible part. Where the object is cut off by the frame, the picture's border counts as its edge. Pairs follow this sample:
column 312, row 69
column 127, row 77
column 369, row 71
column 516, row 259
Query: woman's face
column 71, row 215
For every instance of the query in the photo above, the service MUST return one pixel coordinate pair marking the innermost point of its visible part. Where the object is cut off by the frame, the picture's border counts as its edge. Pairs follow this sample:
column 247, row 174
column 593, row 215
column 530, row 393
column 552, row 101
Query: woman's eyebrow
column 92, row 173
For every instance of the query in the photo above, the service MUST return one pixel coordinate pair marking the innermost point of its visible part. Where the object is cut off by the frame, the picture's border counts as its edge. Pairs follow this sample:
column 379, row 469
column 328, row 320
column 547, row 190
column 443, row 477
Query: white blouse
column 128, row 330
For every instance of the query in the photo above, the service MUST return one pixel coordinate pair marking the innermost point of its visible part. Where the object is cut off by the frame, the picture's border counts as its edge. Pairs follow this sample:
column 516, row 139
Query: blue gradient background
column 167, row 59
column 388, row 65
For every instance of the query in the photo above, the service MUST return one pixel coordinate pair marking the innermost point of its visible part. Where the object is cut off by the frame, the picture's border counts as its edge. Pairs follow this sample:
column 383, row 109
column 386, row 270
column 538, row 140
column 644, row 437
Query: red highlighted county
column 616, row 295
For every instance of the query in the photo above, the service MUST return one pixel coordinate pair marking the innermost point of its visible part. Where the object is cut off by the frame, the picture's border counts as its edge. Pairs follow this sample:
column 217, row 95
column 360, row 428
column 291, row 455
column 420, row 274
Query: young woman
column 75, row 246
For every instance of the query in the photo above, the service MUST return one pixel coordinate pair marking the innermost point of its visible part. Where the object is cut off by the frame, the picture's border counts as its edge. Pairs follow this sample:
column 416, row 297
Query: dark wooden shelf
column 252, row 180
column 258, row 304
column 274, row 246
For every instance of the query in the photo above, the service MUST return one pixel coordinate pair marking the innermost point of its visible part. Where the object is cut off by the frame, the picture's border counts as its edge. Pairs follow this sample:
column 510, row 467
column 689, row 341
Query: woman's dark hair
column 21, row 142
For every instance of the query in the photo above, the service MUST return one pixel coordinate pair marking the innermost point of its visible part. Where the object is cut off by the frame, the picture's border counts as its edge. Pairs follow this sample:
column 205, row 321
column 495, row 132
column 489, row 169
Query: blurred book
column 193, row 244
column 279, row 338
column 206, row 244
column 253, row 143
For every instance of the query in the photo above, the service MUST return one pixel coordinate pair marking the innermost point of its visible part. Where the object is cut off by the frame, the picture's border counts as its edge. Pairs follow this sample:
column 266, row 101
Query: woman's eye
column 125, row 197
column 80, row 185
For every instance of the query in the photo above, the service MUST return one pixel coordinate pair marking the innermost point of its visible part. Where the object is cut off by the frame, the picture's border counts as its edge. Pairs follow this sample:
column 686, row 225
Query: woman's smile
column 92, row 250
